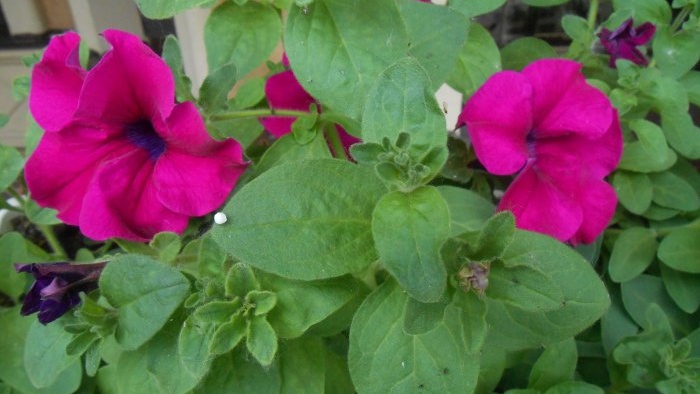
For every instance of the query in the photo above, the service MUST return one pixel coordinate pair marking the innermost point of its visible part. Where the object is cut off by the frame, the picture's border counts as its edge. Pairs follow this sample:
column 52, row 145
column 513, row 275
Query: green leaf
column 303, row 367
column 287, row 149
column 384, row 359
column 250, row 93
column 680, row 250
column 472, row 8
column 213, row 94
column 478, row 60
column 301, row 304
column 227, row 336
column 321, row 231
column 656, row 11
column 420, row 317
column 39, row 215
column 193, row 347
column 576, row 28
column 544, row 3
column 15, row 249
column 523, row 51
column 245, row 130
column 642, row 353
column 243, row 35
column 632, row 253
column 12, row 347
column 672, row 191
column 584, row 296
column 261, row 340
column 240, row 280
column 643, row 291
column 525, row 288
column 217, row 311
column 167, row 245
column 172, row 55
column 683, row 288
column 468, row 210
column 676, row 53
column 616, row 324
column 401, row 101
column 45, row 355
column 575, row 387
column 162, row 9
column 145, row 293
column 20, row 88
column 409, row 230
column 11, row 164
column 157, row 366
column 556, row 365
column 634, row 190
column 493, row 239
column 262, row 301
column 333, row 48
column 237, row 372
column 691, row 83
column 636, row 158
column 652, row 140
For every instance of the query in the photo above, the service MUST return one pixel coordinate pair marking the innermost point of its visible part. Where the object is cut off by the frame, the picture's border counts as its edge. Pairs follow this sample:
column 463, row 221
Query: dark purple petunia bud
column 57, row 287
column 622, row 42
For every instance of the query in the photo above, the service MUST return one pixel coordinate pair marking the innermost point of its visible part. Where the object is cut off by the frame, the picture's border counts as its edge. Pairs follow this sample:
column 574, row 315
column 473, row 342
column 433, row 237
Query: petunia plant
column 323, row 228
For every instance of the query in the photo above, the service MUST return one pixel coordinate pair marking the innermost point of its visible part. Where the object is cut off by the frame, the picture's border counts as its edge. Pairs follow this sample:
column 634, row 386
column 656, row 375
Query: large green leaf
column 676, row 52
column 301, row 304
column 11, row 163
column 302, row 366
column 556, row 365
column 384, row 359
column 634, row 190
column 157, row 366
column 468, row 210
column 12, row 347
column 145, row 292
column 161, row 9
column 584, row 297
column 680, row 250
column 45, row 357
column 338, row 48
column 683, row 288
column 632, row 253
column 291, row 222
column 15, row 249
column 401, row 102
column 672, row 191
column 655, row 11
column 244, row 35
column 237, row 372
column 472, row 8
column 409, row 229
column 478, row 60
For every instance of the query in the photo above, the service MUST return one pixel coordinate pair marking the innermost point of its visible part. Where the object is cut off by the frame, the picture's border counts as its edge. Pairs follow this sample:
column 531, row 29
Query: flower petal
column 498, row 118
column 564, row 102
column 283, row 91
column 56, row 83
column 598, row 202
column 538, row 205
column 61, row 168
column 130, row 83
column 196, row 174
column 643, row 33
column 122, row 202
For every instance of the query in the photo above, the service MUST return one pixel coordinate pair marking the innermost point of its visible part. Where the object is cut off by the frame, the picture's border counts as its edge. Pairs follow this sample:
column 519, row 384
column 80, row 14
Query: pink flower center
column 143, row 135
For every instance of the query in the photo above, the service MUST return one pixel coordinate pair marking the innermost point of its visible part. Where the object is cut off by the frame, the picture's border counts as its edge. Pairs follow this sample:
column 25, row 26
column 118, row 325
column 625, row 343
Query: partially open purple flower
column 622, row 42
column 57, row 287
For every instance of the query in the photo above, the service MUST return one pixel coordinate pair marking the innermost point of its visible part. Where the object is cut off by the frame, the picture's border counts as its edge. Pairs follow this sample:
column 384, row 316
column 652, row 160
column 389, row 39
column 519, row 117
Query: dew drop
column 220, row 218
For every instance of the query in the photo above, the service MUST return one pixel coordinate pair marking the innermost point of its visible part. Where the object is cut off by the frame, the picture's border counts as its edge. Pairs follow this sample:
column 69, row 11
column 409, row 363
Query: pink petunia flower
column 622, row 42
column 561, row 136
column 283, row 91
column 118, row 158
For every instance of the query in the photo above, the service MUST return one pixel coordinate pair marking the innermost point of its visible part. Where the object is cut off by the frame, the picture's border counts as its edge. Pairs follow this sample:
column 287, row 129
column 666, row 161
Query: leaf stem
column 681, row 17
column 257, row 113
column 593, row 14
column 334, row 139
column 52, row 240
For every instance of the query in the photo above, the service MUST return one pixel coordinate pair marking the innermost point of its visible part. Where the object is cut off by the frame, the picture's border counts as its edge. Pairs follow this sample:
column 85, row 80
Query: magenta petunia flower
column 57, row 287
column 283, row 91
column 118, row 158
column 622, row 42
column 561, row 136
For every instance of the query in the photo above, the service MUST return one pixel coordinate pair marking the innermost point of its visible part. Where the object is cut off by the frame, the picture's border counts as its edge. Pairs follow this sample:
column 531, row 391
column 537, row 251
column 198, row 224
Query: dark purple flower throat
column 143, row 135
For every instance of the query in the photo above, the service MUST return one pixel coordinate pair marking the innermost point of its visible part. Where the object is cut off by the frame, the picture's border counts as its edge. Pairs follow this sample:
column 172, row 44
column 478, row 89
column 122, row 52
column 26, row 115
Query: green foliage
column 173, row 57
column 478, row 60
column 161, row 9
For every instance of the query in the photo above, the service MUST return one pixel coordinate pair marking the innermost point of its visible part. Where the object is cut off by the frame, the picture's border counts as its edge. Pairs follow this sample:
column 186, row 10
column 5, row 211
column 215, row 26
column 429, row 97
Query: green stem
column 336, row 144
column 257, row 113
column 681, row 17
column 52, row 240
column 592, row 14
column 20, row 200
